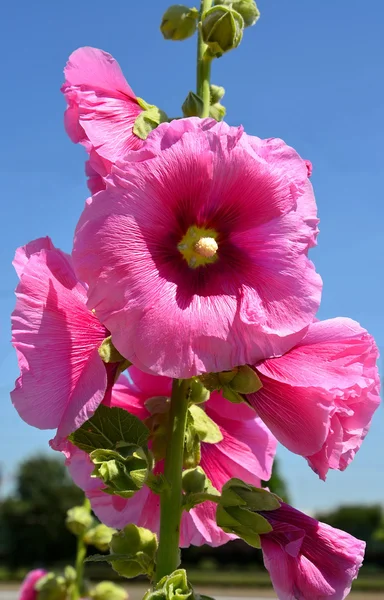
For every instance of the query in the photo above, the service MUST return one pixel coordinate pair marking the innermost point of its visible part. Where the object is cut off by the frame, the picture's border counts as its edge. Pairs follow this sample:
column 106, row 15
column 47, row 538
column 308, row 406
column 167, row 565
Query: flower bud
column 171, row 587
column 246, row 381
column 216, row 93
column 123, row 472
column 100, row 537
column 51, row 587
column 179, row 22
column 78, row 520
column 199, row 393
column 217, row 111
column 192, row 105
column 222, row 29
column 195, row 481
column 139, row 545
column 106, row 590
column 246, row 8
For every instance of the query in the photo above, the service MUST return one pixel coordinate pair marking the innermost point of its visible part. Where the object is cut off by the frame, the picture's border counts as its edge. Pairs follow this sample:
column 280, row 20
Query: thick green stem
column 203, row 66
column 81, row 554
column 168, row 555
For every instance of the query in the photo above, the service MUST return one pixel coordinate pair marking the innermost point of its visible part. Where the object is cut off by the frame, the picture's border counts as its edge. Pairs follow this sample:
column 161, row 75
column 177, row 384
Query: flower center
column 199, row 246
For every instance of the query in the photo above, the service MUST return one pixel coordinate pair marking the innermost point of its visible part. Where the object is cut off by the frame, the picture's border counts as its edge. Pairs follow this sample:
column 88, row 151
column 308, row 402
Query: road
column 136, row 592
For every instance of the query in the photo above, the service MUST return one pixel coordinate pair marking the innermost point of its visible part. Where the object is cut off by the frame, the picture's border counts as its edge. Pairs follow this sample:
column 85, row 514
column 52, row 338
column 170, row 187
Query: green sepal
column 238, row 510
column 109, row 354
column 206, row 429
column 108, row 428
column 157, row 483
column 148, row 119
column 232, row 396
column 238, row 493
column 106, row 590
column 69, row 574
column 79, row 520
column 100, row 537
column 171, row 587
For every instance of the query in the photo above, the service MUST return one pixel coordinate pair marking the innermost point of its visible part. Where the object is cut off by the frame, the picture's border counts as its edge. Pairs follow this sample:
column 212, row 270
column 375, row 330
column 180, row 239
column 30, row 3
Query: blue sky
column 309, row 73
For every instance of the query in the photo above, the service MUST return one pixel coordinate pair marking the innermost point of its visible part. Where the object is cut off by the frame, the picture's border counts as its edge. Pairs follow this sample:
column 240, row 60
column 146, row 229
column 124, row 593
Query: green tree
column 33, row 518
column 277, row 484
column 359, row 521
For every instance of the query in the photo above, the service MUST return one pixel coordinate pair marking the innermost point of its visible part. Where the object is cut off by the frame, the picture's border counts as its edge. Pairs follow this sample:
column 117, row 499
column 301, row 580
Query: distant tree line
column 33, row 531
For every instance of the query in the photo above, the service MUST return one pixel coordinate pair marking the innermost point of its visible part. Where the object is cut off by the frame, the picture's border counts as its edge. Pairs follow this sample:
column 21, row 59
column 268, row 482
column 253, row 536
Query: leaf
column 108, row 428
column 206, row 429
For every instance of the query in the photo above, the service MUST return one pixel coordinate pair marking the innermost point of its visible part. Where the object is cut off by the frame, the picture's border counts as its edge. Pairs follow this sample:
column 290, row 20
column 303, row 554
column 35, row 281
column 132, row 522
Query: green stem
column 203, row 66
column 79, row 567
column 168, row 555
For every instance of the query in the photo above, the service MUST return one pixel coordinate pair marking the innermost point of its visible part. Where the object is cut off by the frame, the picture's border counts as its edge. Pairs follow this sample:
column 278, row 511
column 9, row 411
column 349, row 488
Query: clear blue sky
column 310, row 73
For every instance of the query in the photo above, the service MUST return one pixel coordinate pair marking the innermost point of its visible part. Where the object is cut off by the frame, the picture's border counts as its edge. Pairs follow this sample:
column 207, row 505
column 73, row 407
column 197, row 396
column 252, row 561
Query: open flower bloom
column 56, row 337
column 196, row 253
column 101, row 112
column 309, row 560
column 246, row 451
column 27, row 590
column 318, row 399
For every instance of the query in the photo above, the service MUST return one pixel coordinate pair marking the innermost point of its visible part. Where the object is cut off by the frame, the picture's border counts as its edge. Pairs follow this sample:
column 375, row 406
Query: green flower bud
column 199, row 393
column 79, row 520
column 222, row 29
column 192, row 105
column 246, row 381
column 217, row 111
column 216, row 92
column 171, row 587
column 106, row 590
column 246, row 8
column 51, row 587
column 139, row 545
column 100, row 537
column 195, row 481
column 179, row 22
column 123, row 472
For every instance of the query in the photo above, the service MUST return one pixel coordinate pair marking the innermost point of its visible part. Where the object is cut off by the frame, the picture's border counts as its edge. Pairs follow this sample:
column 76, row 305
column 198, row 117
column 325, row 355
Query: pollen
column 206, row 246
column 199, row 246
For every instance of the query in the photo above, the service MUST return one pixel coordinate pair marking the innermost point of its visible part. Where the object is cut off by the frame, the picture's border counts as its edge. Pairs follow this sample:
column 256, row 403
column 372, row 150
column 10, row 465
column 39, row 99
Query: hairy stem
column 168, row 555
column 203, row 66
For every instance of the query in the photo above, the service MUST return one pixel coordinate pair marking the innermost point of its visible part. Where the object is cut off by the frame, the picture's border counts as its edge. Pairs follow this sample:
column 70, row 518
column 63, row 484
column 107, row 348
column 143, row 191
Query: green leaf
column 238, row 493
column 108, row 428
column 206, row 429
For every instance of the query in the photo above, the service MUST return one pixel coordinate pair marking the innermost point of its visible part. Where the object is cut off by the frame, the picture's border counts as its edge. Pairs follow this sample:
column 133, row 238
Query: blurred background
column 309, row 73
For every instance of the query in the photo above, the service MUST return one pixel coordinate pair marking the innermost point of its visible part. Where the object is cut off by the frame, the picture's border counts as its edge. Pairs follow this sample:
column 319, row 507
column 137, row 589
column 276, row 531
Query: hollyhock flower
column 246, row 451
column 27, row 590
column 102, row 110
column 56, row 337
column 309, row 560
column 318, row 399
column 196, row 253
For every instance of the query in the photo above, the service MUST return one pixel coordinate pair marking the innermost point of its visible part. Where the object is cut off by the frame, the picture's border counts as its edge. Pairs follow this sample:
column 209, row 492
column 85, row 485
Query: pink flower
column 246, row 451
column 309, row 560
column 196, row 253
column 101, row 112
column 63, row 379
column 318, row 399
column 27, row 590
